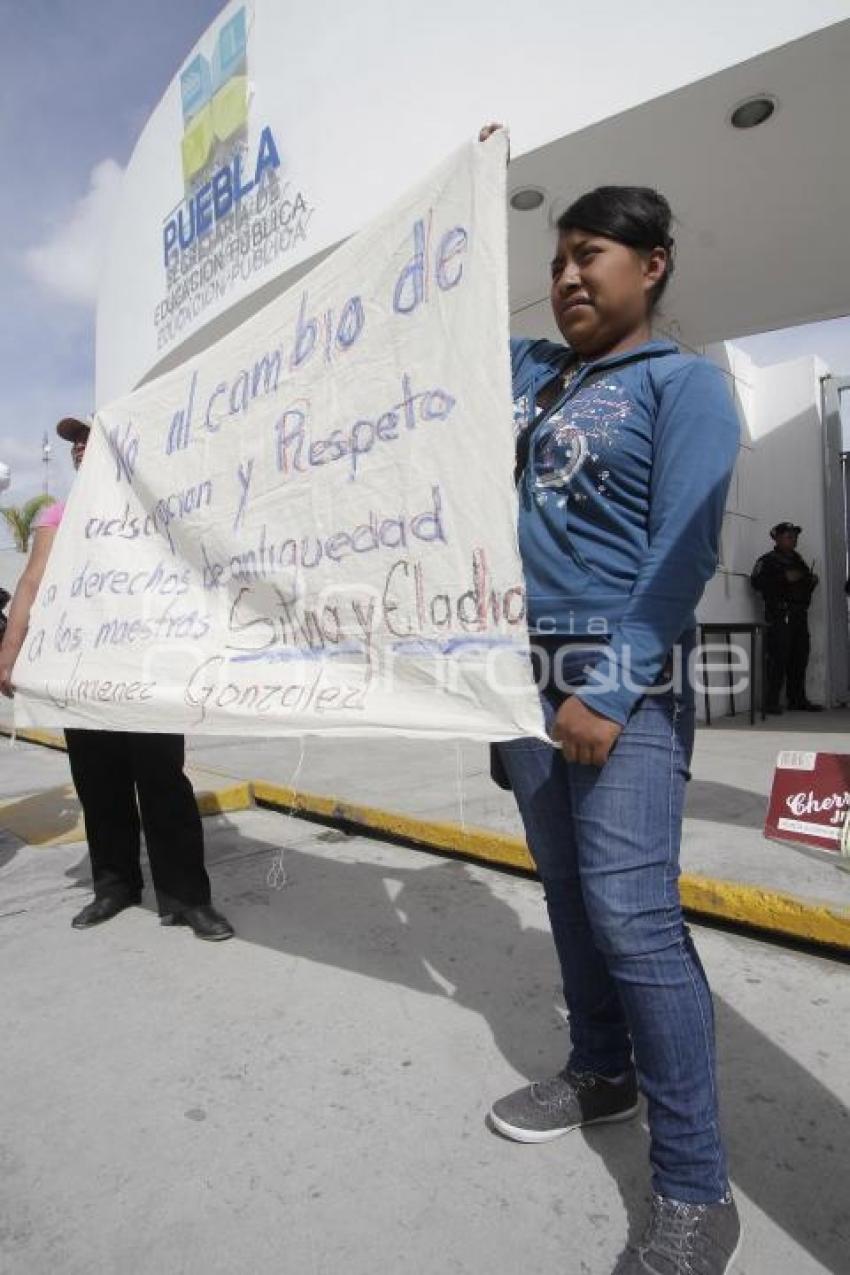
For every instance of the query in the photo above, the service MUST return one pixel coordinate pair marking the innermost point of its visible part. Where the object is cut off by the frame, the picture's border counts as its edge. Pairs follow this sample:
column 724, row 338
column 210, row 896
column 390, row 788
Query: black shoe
column 204, row 921
column 104, row 909
column 805, row 706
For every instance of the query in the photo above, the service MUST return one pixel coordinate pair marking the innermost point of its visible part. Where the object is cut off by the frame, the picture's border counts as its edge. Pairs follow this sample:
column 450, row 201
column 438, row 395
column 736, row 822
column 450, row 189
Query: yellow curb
column 41, row 818
column 35, row 735
column 477, row 843
column 51, row 817
column 771, row 911
column 220, row 801
column 767, row 910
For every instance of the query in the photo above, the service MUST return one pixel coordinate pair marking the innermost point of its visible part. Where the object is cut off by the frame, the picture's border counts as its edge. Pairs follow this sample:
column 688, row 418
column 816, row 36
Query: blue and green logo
column 214, row 98
column 214, row 93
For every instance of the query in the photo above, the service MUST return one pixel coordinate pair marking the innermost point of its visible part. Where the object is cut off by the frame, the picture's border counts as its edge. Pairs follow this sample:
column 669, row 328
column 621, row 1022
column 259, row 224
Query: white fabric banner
column 311, row 526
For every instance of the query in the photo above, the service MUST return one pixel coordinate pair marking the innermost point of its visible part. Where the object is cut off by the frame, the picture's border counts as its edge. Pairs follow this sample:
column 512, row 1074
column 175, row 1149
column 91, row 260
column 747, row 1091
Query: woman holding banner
column 125, row 780
column 624, row 457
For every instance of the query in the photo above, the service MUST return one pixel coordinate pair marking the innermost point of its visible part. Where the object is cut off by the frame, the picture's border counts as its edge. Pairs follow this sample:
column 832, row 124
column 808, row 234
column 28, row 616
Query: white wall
column 364, row 98
column 779, row 477
column 729, row 596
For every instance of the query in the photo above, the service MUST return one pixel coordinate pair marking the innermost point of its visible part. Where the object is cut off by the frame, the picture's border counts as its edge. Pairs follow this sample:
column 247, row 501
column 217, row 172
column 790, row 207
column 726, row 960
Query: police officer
column 786, row 584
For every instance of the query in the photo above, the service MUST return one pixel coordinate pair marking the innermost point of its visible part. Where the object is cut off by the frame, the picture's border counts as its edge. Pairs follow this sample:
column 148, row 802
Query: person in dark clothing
column 786, row 583
column 127, row 781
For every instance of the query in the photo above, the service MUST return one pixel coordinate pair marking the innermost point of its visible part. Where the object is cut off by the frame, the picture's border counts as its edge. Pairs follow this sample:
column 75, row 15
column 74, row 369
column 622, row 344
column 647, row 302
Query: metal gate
column 835, row 392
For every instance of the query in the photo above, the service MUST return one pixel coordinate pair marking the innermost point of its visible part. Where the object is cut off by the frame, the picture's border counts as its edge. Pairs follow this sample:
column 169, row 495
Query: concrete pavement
column 732, row 872
column 311, row 1096
column 727, row 798
column 441, row 794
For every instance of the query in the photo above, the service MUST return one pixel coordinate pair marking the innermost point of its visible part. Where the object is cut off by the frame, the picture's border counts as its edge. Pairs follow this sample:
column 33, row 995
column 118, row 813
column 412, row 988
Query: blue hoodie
column 621, row 502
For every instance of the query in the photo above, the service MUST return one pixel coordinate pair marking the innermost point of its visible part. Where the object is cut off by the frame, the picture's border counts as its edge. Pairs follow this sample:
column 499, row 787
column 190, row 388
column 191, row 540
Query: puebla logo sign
column 239, row 212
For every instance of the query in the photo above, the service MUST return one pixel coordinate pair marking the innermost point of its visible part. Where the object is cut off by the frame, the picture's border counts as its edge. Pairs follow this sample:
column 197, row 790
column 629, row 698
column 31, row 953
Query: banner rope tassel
column 276, row 878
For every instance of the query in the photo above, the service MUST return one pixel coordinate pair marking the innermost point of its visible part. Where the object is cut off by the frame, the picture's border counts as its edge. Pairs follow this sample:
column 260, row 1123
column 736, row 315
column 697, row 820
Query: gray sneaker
column 685, row 1239
column 546, row 1109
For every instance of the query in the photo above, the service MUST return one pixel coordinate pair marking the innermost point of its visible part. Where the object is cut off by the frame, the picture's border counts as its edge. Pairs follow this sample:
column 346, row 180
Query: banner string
column 459, row 778
column 276, row 878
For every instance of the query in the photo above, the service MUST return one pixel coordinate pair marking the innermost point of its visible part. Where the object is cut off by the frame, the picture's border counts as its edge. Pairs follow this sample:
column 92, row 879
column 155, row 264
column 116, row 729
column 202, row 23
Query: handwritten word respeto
column 310, row 526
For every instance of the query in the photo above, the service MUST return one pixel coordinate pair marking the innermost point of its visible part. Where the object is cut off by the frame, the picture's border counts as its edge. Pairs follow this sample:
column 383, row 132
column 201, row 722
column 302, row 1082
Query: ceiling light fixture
column 753, row 111
column 527, row 199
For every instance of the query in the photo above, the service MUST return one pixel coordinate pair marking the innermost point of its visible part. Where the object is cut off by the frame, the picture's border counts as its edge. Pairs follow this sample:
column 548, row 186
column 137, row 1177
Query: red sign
column 810, row 801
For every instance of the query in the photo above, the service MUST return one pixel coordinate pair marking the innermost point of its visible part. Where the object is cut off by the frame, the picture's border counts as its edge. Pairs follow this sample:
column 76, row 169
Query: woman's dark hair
column 633, row 215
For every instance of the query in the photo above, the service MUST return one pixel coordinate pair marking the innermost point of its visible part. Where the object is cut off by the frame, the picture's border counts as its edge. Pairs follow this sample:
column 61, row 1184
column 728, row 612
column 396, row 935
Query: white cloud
column 68, row 262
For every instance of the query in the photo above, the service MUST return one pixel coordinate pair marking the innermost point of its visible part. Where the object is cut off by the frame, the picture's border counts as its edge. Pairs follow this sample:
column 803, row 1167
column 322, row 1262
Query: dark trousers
column 120, row 775
column 787, row 646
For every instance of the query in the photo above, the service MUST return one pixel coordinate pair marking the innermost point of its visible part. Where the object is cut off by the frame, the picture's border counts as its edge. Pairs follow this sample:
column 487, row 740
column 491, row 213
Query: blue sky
column 78, row 80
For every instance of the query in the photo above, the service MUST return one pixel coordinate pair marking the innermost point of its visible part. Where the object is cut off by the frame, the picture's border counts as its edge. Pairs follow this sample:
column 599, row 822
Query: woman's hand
column 22, row 604
column 585, row 737
column 7, row 663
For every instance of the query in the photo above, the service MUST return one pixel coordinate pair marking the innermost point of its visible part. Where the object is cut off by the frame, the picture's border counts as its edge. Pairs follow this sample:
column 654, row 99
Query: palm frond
column 20, row 519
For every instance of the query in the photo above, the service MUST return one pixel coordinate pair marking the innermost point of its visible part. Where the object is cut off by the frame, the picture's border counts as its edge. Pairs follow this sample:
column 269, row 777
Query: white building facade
column 286, row 129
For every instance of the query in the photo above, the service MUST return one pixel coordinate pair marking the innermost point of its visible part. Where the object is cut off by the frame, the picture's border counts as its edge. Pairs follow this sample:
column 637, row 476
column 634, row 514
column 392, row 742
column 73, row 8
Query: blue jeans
column 606, row 844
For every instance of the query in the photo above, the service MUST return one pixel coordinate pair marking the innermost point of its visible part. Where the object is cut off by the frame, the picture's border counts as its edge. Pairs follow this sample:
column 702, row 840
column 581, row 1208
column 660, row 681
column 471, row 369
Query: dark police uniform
column 786, row 606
